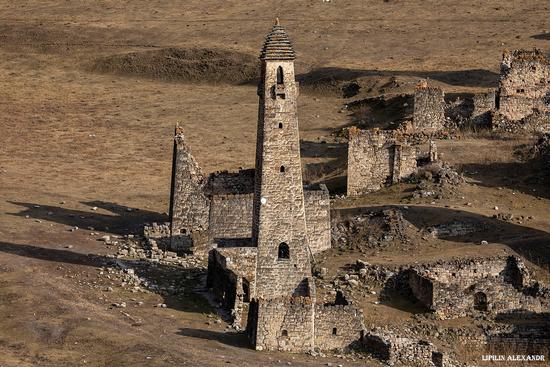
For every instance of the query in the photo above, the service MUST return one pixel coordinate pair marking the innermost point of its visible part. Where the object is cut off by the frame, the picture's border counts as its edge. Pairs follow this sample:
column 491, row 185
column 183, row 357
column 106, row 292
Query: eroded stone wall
column 458, row 288
column 189, row 206
column 483, row 105
column 429, row 108
column 524, row 86
column 377, row 158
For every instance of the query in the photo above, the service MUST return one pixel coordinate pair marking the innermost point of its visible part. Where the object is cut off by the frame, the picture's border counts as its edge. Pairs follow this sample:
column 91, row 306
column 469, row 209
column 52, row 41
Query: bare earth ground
column 73, row 138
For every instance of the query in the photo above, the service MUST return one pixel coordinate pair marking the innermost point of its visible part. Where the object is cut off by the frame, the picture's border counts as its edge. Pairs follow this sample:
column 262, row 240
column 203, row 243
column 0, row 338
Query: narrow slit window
column 280, row 125
column 282, row 169
column 280, row 78
column 334, row 331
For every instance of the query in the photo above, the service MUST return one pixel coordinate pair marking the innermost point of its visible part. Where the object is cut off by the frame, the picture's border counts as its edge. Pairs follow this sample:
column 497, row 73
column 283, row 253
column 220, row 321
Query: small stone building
column 524, row 86
column 377, row 158
column 429, row 108
column 461, row 287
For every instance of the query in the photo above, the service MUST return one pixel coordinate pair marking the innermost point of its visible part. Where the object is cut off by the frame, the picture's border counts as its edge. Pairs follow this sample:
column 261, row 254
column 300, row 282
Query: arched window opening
column 280, row 79
column 284, row 251
column 280, row 125
column 284, row 333
column 282, row 168
column 334, row 331
column 480, row 301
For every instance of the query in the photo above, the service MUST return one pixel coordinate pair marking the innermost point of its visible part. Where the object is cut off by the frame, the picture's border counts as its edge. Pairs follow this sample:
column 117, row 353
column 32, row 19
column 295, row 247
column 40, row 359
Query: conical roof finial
column 277, row 45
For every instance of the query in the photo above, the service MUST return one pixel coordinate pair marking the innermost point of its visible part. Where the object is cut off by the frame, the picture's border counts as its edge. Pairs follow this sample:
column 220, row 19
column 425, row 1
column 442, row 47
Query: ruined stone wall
column 403, row 351
column 484, row 104
column 337, row 326
column 460, row 287
column 285, row 324
column 224, row 182
column 189, row 205
column 230, row 218
column 231, row 275
column 429, row 108
column 376, row 158
column 524, row 84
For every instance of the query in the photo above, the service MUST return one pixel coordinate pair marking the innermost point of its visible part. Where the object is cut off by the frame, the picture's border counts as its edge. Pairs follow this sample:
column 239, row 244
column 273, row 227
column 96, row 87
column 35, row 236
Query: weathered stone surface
column 524, row 86
column 429, row 108
column 462, row 287
column 377, row 158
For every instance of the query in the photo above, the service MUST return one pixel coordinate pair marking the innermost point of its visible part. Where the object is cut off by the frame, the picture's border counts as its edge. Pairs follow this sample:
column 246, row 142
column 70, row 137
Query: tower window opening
column 282, row 169
column 280, row 125
column 284, row 251
column 284, row 333
column 334, row 331
column 280, row 79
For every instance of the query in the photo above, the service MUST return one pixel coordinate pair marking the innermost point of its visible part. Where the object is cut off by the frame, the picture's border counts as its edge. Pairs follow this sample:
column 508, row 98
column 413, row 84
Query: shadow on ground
column 542, row 36
column 159, row 276
column 333, row 75
column 234, row 339
column 124, row 220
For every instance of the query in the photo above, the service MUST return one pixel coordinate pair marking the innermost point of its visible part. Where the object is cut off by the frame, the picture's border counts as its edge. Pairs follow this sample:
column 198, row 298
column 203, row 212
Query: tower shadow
column 124, row 220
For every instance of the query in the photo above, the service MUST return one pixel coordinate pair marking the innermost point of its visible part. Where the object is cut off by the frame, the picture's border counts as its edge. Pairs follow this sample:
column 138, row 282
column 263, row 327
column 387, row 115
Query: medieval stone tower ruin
column 282, row 315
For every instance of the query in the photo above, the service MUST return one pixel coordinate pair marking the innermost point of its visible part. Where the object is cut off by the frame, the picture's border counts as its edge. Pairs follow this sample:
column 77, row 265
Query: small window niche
column 334, row 331
column 282, row 169
column 284, row 251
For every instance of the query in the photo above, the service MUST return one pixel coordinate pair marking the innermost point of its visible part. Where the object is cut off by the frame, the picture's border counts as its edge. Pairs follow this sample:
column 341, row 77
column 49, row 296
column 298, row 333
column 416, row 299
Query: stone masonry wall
column 460, row 287
column 285, row 324
column 403, row 351
column 317, row 204
column 337, row 326
column 376, row 158
column 231, row 218
column 224, row 182
column 231, row 275
column 189, row 206
column 429, row 108
column 524, row 84
column 484, row 104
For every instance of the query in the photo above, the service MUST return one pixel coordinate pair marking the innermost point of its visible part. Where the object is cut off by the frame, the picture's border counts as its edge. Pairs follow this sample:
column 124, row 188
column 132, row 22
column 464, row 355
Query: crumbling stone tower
column 429, row 107
column 524, row 86
column 189, row 205
column 282, row 313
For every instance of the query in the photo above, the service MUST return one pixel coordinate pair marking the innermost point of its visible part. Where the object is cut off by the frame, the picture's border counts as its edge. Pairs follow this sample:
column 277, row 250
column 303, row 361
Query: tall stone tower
column 282, row 313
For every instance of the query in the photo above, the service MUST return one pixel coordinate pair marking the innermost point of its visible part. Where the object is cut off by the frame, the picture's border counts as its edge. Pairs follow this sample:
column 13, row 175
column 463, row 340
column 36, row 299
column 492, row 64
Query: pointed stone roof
column 277, row 45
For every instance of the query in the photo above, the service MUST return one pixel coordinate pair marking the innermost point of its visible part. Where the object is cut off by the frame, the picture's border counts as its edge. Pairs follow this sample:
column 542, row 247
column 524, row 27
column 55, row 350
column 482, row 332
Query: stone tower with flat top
column 282, row 312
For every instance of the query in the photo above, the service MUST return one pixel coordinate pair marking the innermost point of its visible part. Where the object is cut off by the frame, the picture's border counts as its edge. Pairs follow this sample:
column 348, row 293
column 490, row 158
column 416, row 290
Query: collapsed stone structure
column 266, row 278
column 461, row 287
column 376, row 158
column 403, row 351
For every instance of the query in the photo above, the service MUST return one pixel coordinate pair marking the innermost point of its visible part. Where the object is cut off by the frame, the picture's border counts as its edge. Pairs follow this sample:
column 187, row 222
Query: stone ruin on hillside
column 376, row 158
column 524, row 87
column 462, row 287
column 429, row 108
